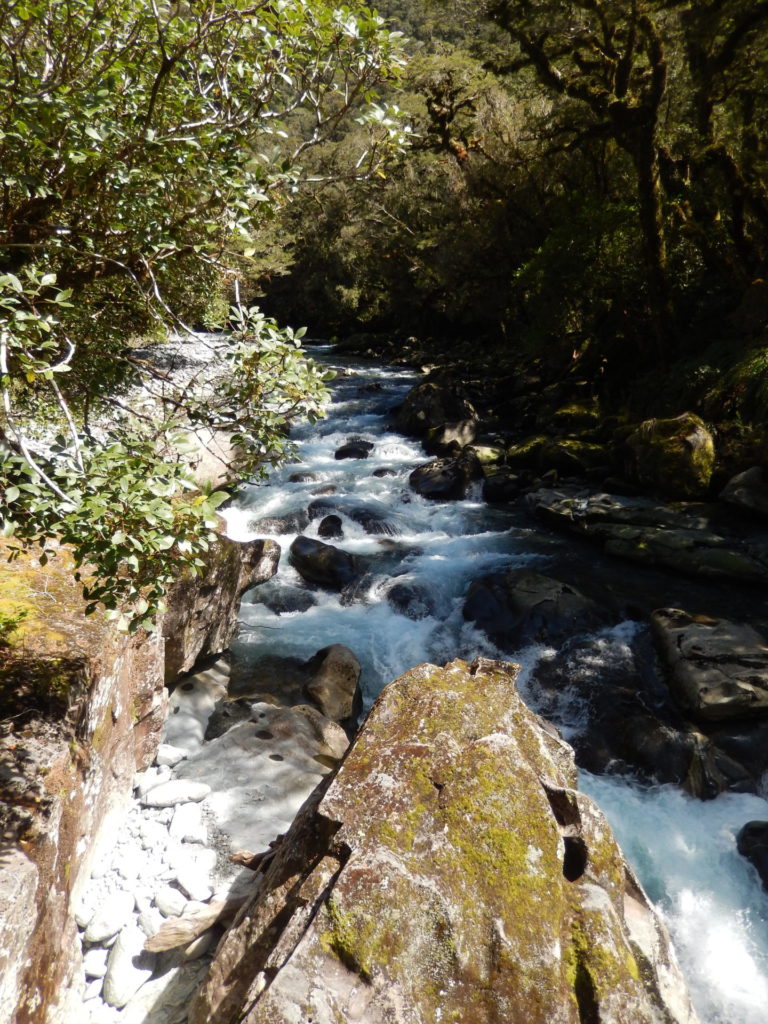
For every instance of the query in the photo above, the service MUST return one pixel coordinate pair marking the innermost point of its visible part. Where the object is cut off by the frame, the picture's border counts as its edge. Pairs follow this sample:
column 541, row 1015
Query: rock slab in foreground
column 448, row 871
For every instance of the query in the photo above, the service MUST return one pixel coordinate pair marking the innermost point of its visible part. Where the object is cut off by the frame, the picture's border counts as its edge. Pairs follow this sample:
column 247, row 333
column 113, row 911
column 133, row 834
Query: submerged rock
column 450, row 870
column 752, row 843
column 717, row 669
column 355, row 448
column 330, row 528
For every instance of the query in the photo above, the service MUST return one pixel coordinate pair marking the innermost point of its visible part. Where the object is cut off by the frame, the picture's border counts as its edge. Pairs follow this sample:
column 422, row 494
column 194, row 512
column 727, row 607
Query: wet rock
column 128, row 967
column 449, row 870
column 446, row 479
column 330, row 528
column 520, row 607
column 292, row 522
column 431, row 405
column 501, row 485
column 281, row 598
column 752, row 843
column 748, row 491
column 303, row 478
column 717, row 669
column 354, row 449
column 450, row 437
column 567, row 456
column 374, row 522
column 673, row 457
column 320, row 508
column 383, row 472
column 411, row 598
column 324, row 564
column 335, row 683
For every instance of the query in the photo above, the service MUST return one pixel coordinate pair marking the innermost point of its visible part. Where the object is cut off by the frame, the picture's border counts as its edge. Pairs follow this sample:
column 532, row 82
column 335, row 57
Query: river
column 683, row 849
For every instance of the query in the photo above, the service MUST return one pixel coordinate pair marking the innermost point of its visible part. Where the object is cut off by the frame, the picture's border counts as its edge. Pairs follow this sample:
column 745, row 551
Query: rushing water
column 683, row 850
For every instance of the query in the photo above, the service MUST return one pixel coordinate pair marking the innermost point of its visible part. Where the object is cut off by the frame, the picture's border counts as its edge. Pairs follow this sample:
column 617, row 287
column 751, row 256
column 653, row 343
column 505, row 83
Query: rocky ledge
column 448, row 870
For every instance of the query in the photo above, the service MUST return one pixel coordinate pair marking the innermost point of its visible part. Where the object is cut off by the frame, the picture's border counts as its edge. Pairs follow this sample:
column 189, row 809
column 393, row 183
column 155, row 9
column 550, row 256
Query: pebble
column 193, row 874
column 150, row 921
column 128, row 966
column 178, row 791
column 187, row 825
column 170, row 902
column 110, row 917
column 144, row 781
column 92, row 990
column 95, row 963
column 169, row 755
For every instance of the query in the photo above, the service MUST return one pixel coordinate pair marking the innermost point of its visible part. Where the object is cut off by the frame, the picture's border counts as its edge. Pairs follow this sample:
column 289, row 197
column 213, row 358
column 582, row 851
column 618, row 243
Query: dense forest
column 586, row 186
column 574, row 191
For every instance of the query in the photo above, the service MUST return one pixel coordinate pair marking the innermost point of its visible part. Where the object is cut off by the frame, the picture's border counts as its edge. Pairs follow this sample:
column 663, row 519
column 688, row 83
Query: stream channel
column 683, row 849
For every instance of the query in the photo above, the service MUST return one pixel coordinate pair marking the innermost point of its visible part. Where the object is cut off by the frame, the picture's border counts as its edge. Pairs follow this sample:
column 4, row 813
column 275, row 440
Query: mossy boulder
column 673, row 458
column 449, row 871
column 570, row 456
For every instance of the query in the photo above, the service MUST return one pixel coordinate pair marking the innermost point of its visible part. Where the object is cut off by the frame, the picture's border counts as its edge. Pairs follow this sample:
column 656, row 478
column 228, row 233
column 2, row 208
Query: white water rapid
column 683, row 849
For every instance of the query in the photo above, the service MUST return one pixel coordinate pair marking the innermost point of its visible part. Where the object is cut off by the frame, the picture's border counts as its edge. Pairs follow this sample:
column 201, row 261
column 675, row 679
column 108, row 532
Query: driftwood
column 180, row 931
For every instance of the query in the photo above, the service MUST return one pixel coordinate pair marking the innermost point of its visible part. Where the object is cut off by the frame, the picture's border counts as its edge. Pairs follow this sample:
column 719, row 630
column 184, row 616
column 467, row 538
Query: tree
column 142, row 146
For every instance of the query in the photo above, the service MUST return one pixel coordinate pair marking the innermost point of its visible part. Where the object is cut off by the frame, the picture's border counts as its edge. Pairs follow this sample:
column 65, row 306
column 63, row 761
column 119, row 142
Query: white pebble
column 169, row 755
column 95, row 963
column 110, row 917
column 128, row 966
column 92, row 990
column 170, row 902
column 178, row 791
column 187, row 825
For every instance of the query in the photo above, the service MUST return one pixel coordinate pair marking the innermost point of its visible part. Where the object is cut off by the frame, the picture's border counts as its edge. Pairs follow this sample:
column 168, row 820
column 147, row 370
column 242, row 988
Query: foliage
column 144, row 145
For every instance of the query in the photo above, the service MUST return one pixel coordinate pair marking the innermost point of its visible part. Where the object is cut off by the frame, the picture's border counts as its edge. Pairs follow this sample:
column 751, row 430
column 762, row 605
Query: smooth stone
column 169, row 755
column 144, row 781
column 128, row 966
column 170, row 902
column 165, row 1000
column 150, row 921
column 193, row 874
column 187, row 825
column 110, row 917
column 95, row 963
column 92, row 990
column 191, row 705
column 178, row 791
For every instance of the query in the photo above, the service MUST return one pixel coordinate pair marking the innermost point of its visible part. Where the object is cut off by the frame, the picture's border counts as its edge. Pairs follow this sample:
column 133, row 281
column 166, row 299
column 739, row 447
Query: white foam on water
column 684, row 851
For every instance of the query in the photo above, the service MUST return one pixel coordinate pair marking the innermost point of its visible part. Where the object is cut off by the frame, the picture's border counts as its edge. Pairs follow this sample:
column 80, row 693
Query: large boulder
column 446, row 479
column 324, row 564
column 752, row 843
column 450, row 870
column 673, row 457
column 430, row 405
column 717, row 669
column 335, row 683
column 520, row 607
column 202, row 611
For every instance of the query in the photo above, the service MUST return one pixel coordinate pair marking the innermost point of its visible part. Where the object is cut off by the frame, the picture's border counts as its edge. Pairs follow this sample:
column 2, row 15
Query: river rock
column 355, row 448
column 748, row 491
column 335, row 683
column 450, row 437
column 169, row 794
column 446, row 479
column 430, row 405
column 324, row 564
column 169, row 756
column 109, row 918
column 500, row 484
column 717, row 669
column 411, row 598
column 673, row 457
column 164, row 1000
column 187, row 825
column 291, row 522
column 752, row 843
column 377, row 522
column 520, row 607
column 281, row 598
column 170, row 902
column 95, row 962
column 192, row 703
column 128, row 967
column 646, row 531
column 330, row 528
column 261, row 771
column 449, row 870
